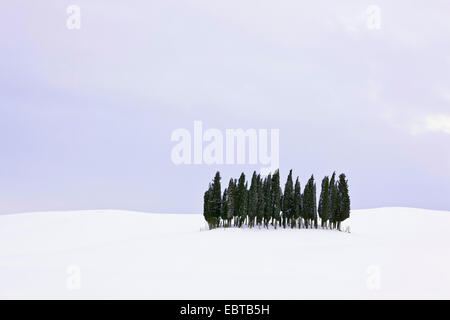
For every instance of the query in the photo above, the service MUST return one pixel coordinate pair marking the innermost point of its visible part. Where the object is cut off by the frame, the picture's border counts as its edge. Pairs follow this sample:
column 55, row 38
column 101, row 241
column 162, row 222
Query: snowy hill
column 391, row 253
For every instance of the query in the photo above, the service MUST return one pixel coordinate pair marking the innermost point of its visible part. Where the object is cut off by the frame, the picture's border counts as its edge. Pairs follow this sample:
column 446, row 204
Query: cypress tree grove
column 265, row 202
column 324, row 201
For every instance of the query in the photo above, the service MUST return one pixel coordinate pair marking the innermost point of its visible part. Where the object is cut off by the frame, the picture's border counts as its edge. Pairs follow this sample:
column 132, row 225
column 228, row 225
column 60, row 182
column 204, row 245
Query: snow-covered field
column 390, row 253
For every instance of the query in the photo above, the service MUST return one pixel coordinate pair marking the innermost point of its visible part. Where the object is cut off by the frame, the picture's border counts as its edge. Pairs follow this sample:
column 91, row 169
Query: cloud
column 417, row 124
column 438, row 123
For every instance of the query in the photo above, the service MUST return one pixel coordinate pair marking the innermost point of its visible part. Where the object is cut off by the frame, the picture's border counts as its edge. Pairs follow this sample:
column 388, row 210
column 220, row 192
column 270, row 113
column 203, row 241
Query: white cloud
column 417, row 124
column 438, row 123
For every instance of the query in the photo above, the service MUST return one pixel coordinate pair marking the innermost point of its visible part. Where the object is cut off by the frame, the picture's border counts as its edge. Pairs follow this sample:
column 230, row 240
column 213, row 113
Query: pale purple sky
column 86, row 115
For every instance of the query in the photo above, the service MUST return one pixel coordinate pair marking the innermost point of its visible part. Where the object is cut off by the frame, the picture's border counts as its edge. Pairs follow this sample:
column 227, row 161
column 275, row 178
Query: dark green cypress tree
column 260, row 206
column 288, row 200
column 333, row 201
column 301, row 211
column 224, row 208
column 253, row 200
column 216, row 200
column 207, row 206
column 306, row 205
column 309, row 203
column 231, row 200
column 243, row 207
column 343, row 201
column 276, row 198
column 240, row 191
column 297, row 205
column 267, row 200
column 324, row 201
column 315, row 204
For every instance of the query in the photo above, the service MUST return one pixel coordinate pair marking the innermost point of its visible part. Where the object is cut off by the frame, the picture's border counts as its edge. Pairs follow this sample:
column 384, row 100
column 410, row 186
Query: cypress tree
column 260, row 206
column 276, row 198
column 306, row 205
column 333, row 201
column 315, row 205
column 231, row 200
column 216, row 200
column 324, row 201
column 309, row 203
column 267, row 186
column 343, row 201
column 224, row 208
column 288, row 200
column 253, row 200
column 240, row 191
column 207, row 206
column 301, row 211
column 243, row 207
column 297, row 205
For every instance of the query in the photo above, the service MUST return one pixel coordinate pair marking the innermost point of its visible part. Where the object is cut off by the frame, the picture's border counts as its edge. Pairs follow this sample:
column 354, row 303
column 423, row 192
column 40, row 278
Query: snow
column 391, row 253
